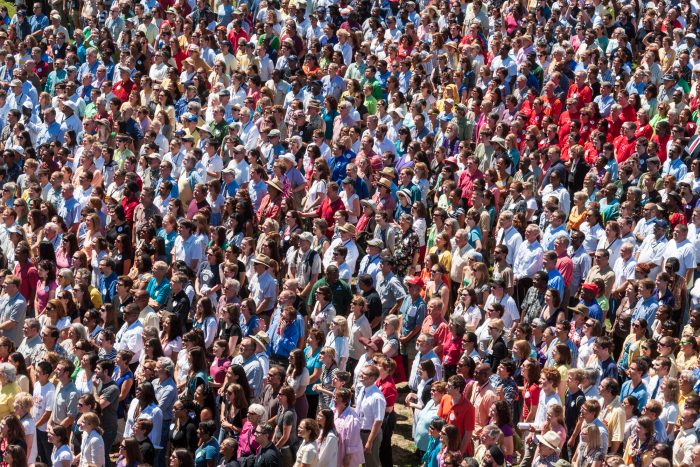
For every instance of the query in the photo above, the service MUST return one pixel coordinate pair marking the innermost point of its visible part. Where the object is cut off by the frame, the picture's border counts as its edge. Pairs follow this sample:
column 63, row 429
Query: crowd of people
column 249, row 233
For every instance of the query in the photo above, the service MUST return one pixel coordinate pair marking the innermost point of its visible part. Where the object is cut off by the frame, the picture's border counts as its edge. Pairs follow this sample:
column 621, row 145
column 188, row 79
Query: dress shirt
column 528, row 259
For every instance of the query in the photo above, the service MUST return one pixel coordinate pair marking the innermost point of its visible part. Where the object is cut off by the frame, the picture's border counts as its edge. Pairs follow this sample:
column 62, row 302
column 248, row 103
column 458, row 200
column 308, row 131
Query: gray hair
column 9, row 372
column 591, row 374
column 167, row 364
column 233, row 283
column 80, row 330
column 689, row 376
column 430, row 340
column 257, row 409
column 33, row 323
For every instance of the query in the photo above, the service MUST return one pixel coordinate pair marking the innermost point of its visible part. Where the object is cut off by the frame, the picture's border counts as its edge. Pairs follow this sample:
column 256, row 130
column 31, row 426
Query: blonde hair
column 343, row 329
column 594, row 440
column 24, row 400
column 330, row 351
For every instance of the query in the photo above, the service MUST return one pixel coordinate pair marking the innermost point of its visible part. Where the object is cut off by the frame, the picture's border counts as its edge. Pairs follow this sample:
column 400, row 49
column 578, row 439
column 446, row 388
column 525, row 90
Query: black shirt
column 148, row 452
column 374, row 305
column 268, row 456
column 181, row 306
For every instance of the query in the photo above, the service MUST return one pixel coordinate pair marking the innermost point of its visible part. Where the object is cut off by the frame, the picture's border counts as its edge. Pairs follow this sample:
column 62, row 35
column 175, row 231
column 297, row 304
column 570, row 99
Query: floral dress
column 406, row 247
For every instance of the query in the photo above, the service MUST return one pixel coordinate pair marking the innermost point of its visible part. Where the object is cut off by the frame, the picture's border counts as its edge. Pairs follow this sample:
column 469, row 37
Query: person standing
column 371, row 407
column 107, row 393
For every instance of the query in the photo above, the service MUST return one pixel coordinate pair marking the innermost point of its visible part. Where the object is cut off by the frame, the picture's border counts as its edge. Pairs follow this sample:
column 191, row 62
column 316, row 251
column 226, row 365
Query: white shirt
column 43, row 401
column 510, row 238
column 92, row 450
column 129, row 338
column 511, row 313
column 351, row 258
column 546, row 401
column 624, row 270
column 528, row 259
column 371, row 405
column 684, row 251
column 651, row 251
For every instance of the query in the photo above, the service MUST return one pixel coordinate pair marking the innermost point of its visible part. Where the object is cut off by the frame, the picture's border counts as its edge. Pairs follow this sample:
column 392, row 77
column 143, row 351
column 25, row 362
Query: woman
column 407, row 248
column 589, row 452
column 561, row 354
column 23, row 377
column 181, row 458
column 328, row 442
column 83, row 379
column 687, row 358
column 247, row 445
column 496, row 350
column 10, row 388
column 307, row 454
column 632, row 414
column 638, row 450
column 328, row 371
column 208, row 282
column 61, row 455
column 669, row 415
column 197, row 374
column 14, row 456
column 249, row 321
column 468, row 309
column 220, row 363
column 55, row 315
column 207, row 447
column 145, row 403
column 324, row 311
column 436, row 287
column 499, row 414
column 435, row 443
column 285, row 436
column 631, row 347
column 170, row 335
column 92, row 449
column 298, row 380
column 23, row 408
column 129, row 453
column 622, row 327
column 124, row 378
column 338, row 338
column 234, row 409
column 530, row 389
column 86, row 404
column 552, row 307
column 205, row 320
column 184, row 428
column 359, row 328
column 45, row 286
column 450, row 442
column 592, row 329
column 347, row 426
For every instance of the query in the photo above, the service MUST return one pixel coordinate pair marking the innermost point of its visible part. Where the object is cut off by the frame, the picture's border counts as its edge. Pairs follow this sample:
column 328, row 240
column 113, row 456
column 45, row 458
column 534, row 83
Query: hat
column 171, row 10
column 415, row 280
column 14, row 229
column 375, row 343
column 389, row 172
column 203, row 128
column 661, row 223
column 274, row 183
column 274, row 133
column 239, row 148
column 550, row 439
column 499, row 141
column 123, row 69
column 369, row 203
column 445, row 118
column 561, row 463
column 308, row 236
column 71, row 105
column 262, row 259
column 288, row 157
column 476, row 256
column 498, row 283
column 400, row 112
column 580, row 309
column 385, row 183
column 224, row 92
column 262, row 339
column 450, row 101
column 21, row 13
column 180, row 133
column 228, row 170
column 314, row 103
column 191, row 118
column 669, row 77
column 375, row 242
column 405, row 192
column 347, row 228
column 188, row 138
column 591, row 288
column 691, row 36
column 451, row 161
column 15, row 82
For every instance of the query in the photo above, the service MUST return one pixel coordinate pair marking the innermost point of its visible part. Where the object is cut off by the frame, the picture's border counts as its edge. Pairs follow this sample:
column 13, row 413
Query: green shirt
column 340, row 295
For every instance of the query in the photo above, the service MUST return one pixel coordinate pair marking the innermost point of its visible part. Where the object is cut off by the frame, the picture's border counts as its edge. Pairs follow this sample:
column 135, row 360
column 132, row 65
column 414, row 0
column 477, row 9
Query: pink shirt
column 42, row 295
column 218, row 368
column 347, row 425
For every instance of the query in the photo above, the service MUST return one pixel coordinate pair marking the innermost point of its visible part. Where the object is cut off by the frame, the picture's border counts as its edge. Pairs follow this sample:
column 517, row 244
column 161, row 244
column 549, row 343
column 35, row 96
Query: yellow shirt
column 7, row 398
column 613, row 416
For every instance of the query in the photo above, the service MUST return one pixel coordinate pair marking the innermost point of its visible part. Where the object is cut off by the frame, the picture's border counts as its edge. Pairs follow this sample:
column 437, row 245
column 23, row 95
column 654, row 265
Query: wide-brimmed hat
column 375, row 342
column 385, row 182
column 551, row 440
column 376, row 243
column 370, row 204
column 261, row 338
column 262, row 259
column 274, row 183
column 579, row 309
column 347, row 228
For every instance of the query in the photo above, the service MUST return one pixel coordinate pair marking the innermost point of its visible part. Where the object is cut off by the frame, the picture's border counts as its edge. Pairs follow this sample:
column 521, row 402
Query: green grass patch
column 10, row 7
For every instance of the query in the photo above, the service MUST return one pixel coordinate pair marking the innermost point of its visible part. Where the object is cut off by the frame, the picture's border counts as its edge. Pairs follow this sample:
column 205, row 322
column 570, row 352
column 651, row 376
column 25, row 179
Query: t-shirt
column 207, row 452
column 43, row 401
column 61, row 454
column 30, row 430
column 109, row 392
column 307, row 453
column 288, row 418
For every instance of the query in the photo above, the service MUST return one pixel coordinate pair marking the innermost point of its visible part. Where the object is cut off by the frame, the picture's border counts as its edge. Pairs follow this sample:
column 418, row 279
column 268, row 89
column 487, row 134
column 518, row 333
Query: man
column 412, row 312
column 107, row 393
column 682, row 249
column 69, row 209
column 612, row 414
column 43, row 392
column 32, row 340
column 129, row 336
column 554, row 278
column 651, row 250
column 147, row 315
column 186, row 248
column 340, row 290
column 685, row 439
column 482, row 397
column 425, row 351
column 562, row 330
column 263, row 287
column 648, row 303
column 389, row 287
column 251, row 365
column 227, row 451
column 528, row 260
column 268, row 455
column 634, row 386
column 347, row 239
column 531, row 307
column 65, row 404
column 555, row 229
column 653, row 409
column 13, row 309
column 273, row 383
column 371, row 262
column 623, row 268
column 374, row 302
column 581, row 261
column 107, row 281
column 371, row 408
column 166, row 394
column 459, row 259
column 456, row 410
column 589, row 292
column 589, row 414
column 498, row 294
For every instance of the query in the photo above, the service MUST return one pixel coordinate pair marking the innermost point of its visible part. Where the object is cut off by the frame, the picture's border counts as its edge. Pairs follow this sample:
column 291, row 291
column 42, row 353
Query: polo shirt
column 462, row 414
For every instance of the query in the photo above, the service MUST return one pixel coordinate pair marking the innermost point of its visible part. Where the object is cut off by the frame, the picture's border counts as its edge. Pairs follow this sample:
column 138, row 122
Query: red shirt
column 29, row 277
column 552, row 107
column 129, row 205
column 628, row 114
column 451, row 349
column 645, row 130
column 584, row 94
column 326, row 211
column 122, row 89
column 566, row 268
column 531, row 396
column 662, row 141
column 233, row 37
column 624, row 148
column 388, row 388
column 462, row 415
column 466, row 181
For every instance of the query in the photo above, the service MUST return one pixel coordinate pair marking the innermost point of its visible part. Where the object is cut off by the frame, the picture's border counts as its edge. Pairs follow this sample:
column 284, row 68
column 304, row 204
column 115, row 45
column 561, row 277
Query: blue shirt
column 107, row 286
column 412, row 313
column 159, row 292
column 555, row 281
column 69, row 210
column 640, row 392
column 594, row 310
column 283, row 342
column 338, row 166
column 208, row 451
column 646, row 309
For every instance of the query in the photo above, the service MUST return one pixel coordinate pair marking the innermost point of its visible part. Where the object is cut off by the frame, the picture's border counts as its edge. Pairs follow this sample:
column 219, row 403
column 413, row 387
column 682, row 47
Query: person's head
column 263, row 434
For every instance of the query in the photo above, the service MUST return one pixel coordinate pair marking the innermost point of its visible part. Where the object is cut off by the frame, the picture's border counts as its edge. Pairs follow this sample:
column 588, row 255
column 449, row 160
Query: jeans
column 44, row 448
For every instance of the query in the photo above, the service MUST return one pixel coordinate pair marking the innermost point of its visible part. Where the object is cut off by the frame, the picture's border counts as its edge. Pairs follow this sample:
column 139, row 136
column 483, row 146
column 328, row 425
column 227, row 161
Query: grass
column 10, row 7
